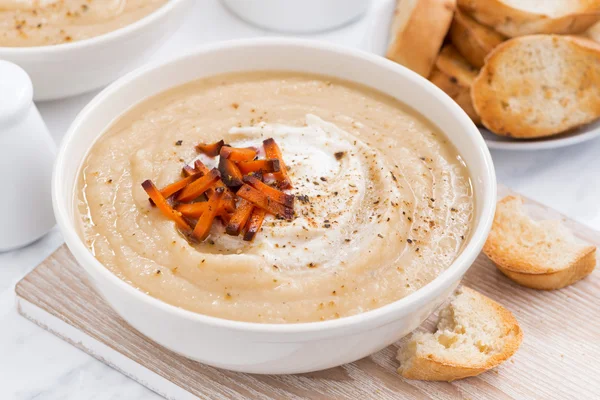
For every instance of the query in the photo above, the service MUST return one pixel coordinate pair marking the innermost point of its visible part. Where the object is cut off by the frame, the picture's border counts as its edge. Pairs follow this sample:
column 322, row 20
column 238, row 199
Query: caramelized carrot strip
column 210, row 149
column 205, row 221
column 226, row 206
column 230, row 173
column 239, row 218
column 199, row 186
column 188, row 170
column 224, row 215
column 203, row 169
column 275, row 194
column 247, row 167
column 236, row 154
column 200, row 167
column 163, row 205
column 274, row 153
column 193, row 210
column 254, row 224
column 173, row 188
column 228, row 201
column 263, row 201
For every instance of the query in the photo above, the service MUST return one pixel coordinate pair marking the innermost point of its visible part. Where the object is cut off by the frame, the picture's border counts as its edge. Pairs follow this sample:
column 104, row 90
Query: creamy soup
column 26, row 23
column 383, row 201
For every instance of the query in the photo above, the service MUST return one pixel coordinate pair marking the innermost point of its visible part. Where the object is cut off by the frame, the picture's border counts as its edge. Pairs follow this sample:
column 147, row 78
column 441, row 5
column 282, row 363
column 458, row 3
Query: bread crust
column 451, row 63
column 504, row 98
column 432, row 368
column 460, row 94
column 417, row 39
column 555, row 280
column 513, row 22
column 536, row 275
column 473, row 40
column 593, row 33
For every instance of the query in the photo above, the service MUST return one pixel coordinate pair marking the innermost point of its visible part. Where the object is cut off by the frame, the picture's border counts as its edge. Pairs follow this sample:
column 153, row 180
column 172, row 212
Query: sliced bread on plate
column 418, row 31
column 525, row 17
column 460, row 94
column 593, row 33
column 454, row 75
column 539, row 85
column 473, row 335
column 537, row 254
column 455, row 65
column 473, row 40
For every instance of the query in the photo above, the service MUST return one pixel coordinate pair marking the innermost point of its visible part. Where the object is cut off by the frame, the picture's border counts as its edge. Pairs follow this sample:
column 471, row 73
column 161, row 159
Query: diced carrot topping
column 247, row 167
column 200, row 167
column 163, row 205
column 263, row 201
column 224, row 215
column 193, row 210
column 199, row 186
column 188, row 170
column 236, row 154
column 211, row 149
column 226, row 206
column 254, row 224
column 205, row 194
column 273, row 152
column 239, row 218
column 203, row 169
column 173, row 188
column 275, row 194
column 205, row 221
column 230, row 173
column 229, row 201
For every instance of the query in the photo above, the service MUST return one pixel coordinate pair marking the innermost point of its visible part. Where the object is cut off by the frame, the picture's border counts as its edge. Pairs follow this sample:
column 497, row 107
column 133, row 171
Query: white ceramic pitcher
column 26, row 156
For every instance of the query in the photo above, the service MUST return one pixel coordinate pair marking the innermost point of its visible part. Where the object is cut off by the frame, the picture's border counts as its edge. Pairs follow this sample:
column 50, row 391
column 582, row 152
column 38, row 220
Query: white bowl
column 69, row 69
column 298, row 16
column 272, row 348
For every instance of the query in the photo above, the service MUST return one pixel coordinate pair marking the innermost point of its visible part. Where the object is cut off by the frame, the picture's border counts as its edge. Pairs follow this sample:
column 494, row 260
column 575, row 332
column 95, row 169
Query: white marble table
column 34, row 364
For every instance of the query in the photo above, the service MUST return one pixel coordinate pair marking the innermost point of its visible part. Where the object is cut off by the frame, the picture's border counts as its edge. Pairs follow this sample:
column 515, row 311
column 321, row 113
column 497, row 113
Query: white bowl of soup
column 69, row 47
column 394, row 194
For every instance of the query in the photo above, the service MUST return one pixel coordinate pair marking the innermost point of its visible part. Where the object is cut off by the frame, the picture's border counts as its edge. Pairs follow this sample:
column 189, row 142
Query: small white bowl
column 298, row 16
column 271, row 348
column 69, row 69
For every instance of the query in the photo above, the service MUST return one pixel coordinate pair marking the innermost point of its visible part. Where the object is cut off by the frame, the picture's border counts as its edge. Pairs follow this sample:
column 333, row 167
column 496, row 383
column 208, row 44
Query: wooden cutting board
column 559, row 357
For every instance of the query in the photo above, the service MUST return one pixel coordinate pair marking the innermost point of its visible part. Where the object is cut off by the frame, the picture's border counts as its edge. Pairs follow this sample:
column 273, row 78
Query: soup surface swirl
column 383, row 201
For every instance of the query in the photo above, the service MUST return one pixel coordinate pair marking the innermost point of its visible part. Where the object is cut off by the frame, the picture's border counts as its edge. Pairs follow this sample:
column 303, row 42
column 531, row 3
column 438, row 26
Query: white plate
column 576, row 136
column 376, row 41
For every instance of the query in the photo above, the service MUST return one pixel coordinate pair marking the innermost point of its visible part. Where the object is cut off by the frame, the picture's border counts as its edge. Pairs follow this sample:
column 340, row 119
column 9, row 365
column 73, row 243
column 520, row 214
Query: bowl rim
column 399, row 307
column 95, row 40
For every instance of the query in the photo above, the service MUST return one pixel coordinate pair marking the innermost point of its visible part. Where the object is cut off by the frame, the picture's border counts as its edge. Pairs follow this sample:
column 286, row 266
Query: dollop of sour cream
column 334, row 177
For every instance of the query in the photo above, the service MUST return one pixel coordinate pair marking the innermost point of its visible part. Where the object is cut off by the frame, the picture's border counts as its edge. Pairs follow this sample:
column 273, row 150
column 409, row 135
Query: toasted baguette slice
column 525, row 17
column 593, row 33
column 540, row 255
column 460, row 94
column 473, row 40
column 473, row 335
column 418, row 31
column 453, row 64
column 539, row 85
column 454, row 75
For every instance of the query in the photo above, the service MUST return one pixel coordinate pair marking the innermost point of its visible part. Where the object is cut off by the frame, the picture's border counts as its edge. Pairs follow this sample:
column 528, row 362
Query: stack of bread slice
column 521, row 68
